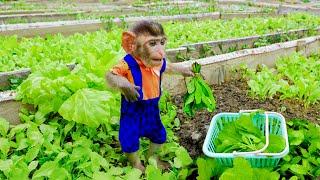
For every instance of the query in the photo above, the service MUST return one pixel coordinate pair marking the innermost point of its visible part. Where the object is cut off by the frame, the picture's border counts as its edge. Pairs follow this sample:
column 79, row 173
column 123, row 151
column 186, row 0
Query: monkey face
column 151, row 49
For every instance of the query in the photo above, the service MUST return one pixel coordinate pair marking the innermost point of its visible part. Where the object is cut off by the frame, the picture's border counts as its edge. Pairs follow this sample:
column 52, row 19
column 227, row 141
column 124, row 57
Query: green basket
column 276, row 125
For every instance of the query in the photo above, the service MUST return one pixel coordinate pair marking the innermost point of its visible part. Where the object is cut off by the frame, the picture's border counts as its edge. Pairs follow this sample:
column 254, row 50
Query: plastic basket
column 277, row 125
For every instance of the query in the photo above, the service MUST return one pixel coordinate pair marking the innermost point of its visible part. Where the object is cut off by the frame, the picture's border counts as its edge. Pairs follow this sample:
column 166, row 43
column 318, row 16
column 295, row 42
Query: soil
column 233, row 96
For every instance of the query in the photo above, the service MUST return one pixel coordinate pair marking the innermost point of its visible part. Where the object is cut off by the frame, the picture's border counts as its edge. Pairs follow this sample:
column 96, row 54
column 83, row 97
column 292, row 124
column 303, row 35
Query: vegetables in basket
column 243, row 136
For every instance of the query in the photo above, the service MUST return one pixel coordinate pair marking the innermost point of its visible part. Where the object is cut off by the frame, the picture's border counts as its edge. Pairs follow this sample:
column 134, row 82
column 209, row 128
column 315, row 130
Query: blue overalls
column 142, row 117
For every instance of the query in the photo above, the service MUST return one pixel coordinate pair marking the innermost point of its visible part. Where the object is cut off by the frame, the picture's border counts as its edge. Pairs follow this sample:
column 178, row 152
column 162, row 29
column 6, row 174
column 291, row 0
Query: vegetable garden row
column 57, row 6
column 17, row 54
column 82, row 26
column 66, row 141
column 27, row 52
column 72, row 130
column 104, row 15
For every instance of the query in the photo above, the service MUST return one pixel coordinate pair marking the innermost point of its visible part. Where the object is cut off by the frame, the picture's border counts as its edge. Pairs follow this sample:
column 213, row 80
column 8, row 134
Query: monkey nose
column 162, row 53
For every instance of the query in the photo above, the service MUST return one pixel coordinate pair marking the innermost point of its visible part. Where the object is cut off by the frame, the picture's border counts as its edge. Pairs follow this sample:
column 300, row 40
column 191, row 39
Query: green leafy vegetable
column 208, row 167
column 303, row 160
column 287, row 81
column 183, row 159
column 242, row 170
column 199, row 95
column 153, row 173
column 243, row 136
column 4, row 127
column 90, row 107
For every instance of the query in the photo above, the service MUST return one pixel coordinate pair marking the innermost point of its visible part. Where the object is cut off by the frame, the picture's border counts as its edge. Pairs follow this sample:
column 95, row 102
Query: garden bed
column 282, row 7
column 15, row 12
column 231, row 97
column 72, row 15
column 83, row 26
column 58, row 5
column 205, row 49
column 226, row 40
column 294, row 8
column 218, row 47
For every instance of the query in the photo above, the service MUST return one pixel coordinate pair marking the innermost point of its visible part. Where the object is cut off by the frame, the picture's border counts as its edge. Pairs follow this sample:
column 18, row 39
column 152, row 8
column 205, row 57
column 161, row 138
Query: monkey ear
column 128, row 41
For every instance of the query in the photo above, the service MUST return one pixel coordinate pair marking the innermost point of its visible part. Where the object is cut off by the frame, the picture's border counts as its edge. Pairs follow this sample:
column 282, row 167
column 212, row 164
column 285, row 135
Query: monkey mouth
column 156, row 59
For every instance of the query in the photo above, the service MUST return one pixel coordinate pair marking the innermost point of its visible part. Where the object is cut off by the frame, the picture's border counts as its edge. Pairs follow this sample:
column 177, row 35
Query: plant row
column 207, row 49
column 294, row 77
column 18, row 53
column 70, row 15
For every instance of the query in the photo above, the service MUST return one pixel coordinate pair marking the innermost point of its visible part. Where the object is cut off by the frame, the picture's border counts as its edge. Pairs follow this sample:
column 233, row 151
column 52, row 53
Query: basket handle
column 266, row 134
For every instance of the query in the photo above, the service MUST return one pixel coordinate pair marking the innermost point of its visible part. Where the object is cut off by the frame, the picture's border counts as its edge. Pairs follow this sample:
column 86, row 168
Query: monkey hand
column 187, row 71
column 130, row 91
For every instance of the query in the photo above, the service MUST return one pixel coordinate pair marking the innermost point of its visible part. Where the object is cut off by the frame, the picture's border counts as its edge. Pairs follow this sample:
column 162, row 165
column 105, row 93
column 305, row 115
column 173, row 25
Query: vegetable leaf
column 90, row 107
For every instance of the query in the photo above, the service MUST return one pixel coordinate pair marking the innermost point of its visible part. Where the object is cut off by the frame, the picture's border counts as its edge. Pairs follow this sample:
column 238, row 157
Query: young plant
column 199, row 94
column 205, row 51
column 303, row 161
column 242, row 170
column 263, row 84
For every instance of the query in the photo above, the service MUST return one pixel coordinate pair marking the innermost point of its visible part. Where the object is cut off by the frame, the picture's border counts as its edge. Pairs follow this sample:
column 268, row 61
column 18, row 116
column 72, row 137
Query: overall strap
column 164, row 65
column 163, row 68
column 136, row 73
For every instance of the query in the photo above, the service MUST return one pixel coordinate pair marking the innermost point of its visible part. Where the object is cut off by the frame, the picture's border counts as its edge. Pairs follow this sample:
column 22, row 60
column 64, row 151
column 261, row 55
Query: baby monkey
column 138, row 77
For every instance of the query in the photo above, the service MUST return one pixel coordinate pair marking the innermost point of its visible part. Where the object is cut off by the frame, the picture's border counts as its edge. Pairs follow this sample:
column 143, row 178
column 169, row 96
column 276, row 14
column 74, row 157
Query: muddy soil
column 231, row 97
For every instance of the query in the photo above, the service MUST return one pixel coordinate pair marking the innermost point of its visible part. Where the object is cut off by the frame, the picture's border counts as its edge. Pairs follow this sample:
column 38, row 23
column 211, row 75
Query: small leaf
column 153, row 173
column 182, row 158
column 115, row 171
column 295, row 137
column 287, row 158
column 295, row 160
column 196, row 67
column 46, row 169
column 183, row 174
column 205, row 171
column 189, row 99
column 191, row 86
column 304, row 153
column 198, row 93
column 33, row 165
column 60, row 173
column 18, row 128
column 4, row 127
column 19, row 171
column 294, row 178
column 68, row 127
column 298, row 169
column 133, row 174
column 5, row 146
column 23, row 143
column 101, row 176
column 32, row 153
column 5, row 165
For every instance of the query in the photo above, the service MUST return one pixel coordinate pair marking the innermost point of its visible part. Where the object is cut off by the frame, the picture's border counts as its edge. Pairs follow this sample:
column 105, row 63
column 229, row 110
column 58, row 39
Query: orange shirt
column 150, row 78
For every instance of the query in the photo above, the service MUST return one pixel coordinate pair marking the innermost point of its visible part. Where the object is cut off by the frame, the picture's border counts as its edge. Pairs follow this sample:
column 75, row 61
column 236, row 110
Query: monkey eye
column 163, row 41
column 152, row 43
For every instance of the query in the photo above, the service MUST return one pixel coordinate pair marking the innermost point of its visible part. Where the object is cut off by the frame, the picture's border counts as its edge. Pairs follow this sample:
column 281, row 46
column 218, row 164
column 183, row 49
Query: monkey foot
column 140, row 167
column 162, row 164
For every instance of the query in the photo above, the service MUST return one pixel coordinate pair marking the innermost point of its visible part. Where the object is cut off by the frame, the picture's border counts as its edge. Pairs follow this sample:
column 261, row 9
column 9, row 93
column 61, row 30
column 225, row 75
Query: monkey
column 138, row 77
